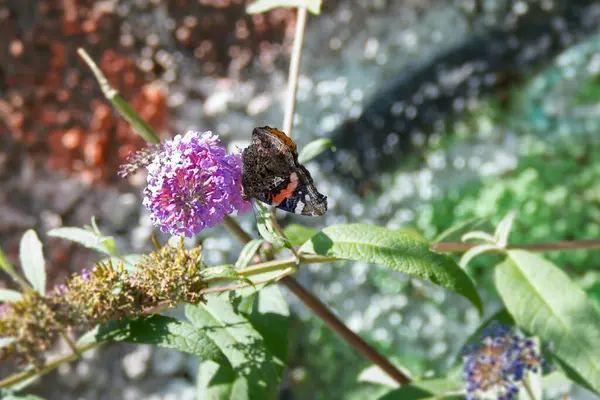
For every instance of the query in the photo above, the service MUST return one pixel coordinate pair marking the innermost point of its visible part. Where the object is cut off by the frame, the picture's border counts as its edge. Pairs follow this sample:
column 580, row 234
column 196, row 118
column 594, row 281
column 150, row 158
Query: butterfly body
column 272, row 174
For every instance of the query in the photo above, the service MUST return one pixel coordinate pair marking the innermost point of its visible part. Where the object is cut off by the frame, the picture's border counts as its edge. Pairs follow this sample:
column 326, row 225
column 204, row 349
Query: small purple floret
column 193, row 183
column 499, row 363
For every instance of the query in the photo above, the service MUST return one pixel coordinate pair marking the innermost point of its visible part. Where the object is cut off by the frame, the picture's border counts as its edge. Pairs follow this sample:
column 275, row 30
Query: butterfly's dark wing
column 272, row 174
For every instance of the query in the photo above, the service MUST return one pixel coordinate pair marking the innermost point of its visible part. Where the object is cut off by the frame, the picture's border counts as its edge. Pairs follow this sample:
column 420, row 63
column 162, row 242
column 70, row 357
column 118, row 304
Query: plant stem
column 338, row 327
column 290, row 100
column 112, row 95
column 21, row 376
column 528, row 389
column 274, row 265
column 459, row 247
column 69, row 342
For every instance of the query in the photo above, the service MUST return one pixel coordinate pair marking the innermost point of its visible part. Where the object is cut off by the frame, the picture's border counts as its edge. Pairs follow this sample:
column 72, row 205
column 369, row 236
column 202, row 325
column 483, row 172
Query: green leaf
column 8, row 394
column 374, row 374
column 86, row 238
column 298, row 234
column 32, row 261
column 10, row 295
column 225, row 271
column 243, row 346
column 479, row 235
column 397, row 251
column 474, row 252
column 428, row 389
column 7, row 341
column 5, row 265
column 503, row 229
column 267, row 230
column 162, row 331
column 248, row 253
column 546, row 303
column 260, row 6
column 269, row 313
column 314, row 148
column 216, row 381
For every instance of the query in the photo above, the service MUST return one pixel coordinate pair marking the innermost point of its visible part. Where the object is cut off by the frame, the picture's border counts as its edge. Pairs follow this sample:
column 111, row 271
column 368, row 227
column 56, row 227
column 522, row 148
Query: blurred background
column 441, row 111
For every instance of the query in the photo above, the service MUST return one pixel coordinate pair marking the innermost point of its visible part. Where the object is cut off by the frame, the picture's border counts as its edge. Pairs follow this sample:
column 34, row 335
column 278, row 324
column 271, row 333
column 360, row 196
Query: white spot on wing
column 277, row 180
column 299, row 207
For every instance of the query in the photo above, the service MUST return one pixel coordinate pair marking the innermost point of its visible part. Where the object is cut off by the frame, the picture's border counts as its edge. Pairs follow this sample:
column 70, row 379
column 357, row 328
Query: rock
column 136, row 363
column 167, row 362
column 179, row 389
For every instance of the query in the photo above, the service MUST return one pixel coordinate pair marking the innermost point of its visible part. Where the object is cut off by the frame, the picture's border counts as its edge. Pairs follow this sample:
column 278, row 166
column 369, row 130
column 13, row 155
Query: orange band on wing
column 287, row 192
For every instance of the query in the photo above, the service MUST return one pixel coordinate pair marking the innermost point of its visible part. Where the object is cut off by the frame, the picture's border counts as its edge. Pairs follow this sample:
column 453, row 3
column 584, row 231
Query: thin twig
column 338, row 327
column 290, row 100
column 459, row 247
column 69, row 342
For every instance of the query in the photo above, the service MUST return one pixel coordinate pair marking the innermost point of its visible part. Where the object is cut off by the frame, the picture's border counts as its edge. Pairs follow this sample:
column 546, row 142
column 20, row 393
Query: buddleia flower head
column 193, row 183
column 496, row 367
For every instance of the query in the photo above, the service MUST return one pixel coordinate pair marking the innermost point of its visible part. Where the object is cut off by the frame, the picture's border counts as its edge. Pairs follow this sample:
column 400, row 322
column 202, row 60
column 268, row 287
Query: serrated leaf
column 8, row 394
column 399, row 252
column 10, row 295
column 248, row 253
column 314, row 148
column 474, row 252
column 7, row 341
column 503, row 229
column 84, row 237
column 298, row 234
column 427, row 389
column 243, row 346
column 32, row 260
column 260, row 6
column 162, row 331
column 269, row 313
column 546, row 303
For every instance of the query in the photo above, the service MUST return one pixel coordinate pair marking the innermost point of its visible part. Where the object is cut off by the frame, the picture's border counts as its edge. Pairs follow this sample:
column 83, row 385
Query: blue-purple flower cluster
column 499, row 364
column 193, row 183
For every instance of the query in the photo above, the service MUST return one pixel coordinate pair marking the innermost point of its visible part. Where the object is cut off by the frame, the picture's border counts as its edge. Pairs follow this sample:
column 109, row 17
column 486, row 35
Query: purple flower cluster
column 499, row 363
column 193, row 183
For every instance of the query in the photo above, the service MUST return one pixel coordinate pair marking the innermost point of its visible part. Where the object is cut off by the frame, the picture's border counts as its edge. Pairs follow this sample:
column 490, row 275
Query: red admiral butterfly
column 272, row 174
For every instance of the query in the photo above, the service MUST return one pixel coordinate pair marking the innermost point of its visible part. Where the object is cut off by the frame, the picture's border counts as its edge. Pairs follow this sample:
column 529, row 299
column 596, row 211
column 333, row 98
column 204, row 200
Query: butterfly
column 272, row 174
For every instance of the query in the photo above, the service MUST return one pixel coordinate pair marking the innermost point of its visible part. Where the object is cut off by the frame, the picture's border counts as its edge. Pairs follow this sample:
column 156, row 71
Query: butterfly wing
column 272, row 174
